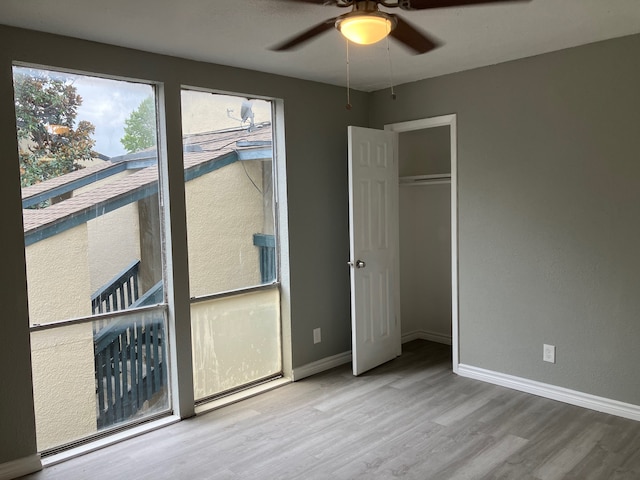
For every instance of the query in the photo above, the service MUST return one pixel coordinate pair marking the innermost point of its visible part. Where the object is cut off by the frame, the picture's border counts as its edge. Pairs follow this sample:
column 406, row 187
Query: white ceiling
column 238, row 32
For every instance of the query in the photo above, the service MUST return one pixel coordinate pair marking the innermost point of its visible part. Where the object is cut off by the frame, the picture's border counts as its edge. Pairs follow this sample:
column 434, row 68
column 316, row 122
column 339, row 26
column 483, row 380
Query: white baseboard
column 573, row 397
column 321, row 365
column 426, row 335
column 345, row 357
column 20, row 467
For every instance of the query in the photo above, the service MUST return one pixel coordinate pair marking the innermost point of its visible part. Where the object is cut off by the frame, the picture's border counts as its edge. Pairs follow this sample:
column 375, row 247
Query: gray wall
column 317, row 193
column 424, row 152
column 17, row 426
column 549, row 209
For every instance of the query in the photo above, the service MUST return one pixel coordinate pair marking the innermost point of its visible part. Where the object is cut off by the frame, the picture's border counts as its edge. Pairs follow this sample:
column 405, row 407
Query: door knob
column 358, row 264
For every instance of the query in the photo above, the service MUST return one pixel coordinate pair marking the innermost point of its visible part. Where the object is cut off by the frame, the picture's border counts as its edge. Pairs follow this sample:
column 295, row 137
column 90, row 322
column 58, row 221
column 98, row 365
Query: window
column 232, row 241
column 94, row 254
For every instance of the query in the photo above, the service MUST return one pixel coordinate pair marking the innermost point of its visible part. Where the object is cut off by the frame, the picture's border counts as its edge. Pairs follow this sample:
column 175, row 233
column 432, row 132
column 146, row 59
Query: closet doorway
column 428, row 230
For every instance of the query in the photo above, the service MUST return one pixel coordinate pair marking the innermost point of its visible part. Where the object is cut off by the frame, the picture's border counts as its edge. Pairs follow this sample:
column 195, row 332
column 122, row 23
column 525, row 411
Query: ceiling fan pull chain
column 393, row 93
column 348, row 81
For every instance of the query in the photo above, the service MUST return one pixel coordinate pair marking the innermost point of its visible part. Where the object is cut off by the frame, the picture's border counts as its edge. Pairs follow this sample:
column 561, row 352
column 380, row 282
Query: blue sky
column 106, row 104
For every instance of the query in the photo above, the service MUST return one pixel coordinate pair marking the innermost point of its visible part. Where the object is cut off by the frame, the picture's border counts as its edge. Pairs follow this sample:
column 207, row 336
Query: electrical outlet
column 317, row 336
column 549, row 353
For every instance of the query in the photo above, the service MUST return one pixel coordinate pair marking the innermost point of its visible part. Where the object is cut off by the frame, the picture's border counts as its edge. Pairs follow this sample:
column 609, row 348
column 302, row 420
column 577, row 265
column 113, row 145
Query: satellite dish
column 246, row 112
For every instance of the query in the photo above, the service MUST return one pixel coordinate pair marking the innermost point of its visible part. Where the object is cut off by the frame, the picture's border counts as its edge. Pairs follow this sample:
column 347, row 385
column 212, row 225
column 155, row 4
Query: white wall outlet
column 317, row 336
column 549, row 353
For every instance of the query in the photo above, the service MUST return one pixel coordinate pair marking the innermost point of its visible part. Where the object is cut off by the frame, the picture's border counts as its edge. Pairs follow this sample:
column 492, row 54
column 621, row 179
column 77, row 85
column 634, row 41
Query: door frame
column 432, row 122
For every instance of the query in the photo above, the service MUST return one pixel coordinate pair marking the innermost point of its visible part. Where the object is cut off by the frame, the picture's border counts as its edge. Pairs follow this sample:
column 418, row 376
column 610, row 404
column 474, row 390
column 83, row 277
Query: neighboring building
column 101, row 242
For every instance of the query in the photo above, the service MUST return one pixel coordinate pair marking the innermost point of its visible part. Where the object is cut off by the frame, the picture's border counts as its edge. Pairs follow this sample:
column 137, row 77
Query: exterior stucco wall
column 113, row 238
column 224, row 210
column 58, row 277
column 63, row 384
column 113, row 243
column 62, row 359
column 62, row 273
column 236, row 340
column 207, row 112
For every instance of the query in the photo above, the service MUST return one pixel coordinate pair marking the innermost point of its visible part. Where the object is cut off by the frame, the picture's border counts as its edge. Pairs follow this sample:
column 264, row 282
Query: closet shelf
column 426, row 179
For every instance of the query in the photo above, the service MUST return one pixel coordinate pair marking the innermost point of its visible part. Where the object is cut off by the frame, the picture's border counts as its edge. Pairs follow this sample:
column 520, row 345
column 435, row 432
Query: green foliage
column 140, row 129
column 46, row 109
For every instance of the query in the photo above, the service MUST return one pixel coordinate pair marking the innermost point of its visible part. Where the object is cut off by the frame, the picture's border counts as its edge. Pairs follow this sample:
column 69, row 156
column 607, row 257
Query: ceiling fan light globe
column 365, row 29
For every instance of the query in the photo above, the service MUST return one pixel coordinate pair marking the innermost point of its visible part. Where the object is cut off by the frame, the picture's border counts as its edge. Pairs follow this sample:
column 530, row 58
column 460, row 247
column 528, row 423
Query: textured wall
column 224, row 210
column 113, row 238
column 58, row 277
column 113, row 244
column 236, row 340
column 64, row 384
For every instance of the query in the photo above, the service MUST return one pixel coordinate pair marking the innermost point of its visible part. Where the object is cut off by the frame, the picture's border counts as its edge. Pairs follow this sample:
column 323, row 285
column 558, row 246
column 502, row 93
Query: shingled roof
column 202, row 153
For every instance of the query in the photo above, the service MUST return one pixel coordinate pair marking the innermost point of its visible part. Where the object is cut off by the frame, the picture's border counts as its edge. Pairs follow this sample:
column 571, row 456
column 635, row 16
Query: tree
column 140, row 129
column 46, row 110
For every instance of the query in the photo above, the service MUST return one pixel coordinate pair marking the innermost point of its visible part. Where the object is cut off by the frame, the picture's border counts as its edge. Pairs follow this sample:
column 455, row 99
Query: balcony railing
column 130, row 362
column 120, row 293
column 267, row 245
column 129, row 352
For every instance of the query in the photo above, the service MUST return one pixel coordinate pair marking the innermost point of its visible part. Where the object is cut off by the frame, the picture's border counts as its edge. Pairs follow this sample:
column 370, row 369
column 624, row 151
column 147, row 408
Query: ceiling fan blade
column 426, row 4
column 305, row 36
column 413, row 38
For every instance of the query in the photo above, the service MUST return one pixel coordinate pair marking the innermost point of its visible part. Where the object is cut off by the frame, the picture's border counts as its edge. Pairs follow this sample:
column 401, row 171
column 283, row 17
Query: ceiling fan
column 366, row 24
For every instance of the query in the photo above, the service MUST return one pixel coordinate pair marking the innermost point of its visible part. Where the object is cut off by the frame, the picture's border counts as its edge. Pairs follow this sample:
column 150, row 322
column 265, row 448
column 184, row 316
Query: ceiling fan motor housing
column 404, row 4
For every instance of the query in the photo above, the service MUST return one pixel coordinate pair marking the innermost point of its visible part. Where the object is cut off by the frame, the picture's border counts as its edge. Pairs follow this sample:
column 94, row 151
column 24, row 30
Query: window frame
column 114, row 433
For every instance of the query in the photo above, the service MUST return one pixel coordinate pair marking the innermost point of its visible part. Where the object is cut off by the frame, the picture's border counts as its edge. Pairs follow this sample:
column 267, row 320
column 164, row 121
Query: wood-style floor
column 411, row 418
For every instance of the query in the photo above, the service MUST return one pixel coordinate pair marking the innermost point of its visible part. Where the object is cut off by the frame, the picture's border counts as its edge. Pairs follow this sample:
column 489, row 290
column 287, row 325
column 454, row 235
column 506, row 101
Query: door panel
column 373, row 215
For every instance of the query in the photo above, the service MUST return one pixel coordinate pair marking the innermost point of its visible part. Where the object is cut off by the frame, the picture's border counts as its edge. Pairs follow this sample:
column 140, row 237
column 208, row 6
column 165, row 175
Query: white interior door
column 373, row 217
